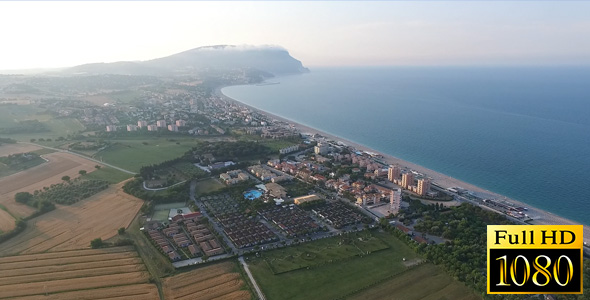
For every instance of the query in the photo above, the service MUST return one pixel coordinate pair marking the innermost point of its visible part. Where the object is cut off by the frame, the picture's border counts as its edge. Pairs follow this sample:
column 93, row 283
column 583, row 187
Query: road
column 212, row 221
column 256, row 287
column 80, row 155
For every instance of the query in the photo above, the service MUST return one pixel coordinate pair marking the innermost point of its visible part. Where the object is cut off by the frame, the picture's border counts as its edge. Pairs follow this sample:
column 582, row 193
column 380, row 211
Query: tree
column 96, row 243
column 66, row 178
column 121, row 231
column 97, row 167
column 205, row 257
column 82, row 172
column 23, row 197
column 33, row 140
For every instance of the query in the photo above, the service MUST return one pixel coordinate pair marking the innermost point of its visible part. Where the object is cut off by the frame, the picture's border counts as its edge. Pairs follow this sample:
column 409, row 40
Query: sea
column 522, row 132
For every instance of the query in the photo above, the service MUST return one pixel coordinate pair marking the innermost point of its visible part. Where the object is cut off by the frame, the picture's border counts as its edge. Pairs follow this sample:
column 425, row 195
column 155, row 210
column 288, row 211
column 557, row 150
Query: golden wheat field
column 217, row 281
column 58, row 165
column 116, row 273
column 74, row 226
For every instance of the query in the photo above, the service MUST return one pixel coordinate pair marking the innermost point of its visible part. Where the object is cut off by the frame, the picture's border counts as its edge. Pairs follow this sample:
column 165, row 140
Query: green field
column 208, row 186
column 108, row 174
column 133, row 154
column 426, row 282
column 323, row 251
column 11, row 114
column 336, row 279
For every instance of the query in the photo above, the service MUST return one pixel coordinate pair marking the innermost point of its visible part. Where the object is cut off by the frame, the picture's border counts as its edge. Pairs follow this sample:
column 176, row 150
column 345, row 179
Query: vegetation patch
column 324, row 251
column 69, row 192
column 18, row 162
column 422, row 282
column 336, row 279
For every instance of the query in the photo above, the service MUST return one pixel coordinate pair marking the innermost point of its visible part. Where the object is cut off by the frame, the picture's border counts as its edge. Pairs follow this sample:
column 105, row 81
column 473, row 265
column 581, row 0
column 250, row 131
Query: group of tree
column 70, row 191
column 224, row 150
column 6, row 141
column 42, row 205
column 464, row 256
column 178, row 193
column 19, row 158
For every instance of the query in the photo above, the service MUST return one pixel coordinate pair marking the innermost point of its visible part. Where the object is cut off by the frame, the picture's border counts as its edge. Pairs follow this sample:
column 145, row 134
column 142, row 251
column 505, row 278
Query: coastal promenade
column 540, row 217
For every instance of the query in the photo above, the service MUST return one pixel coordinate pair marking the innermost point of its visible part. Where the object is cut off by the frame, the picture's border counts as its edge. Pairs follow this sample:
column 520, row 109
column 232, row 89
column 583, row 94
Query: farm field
column 426, row 282
column 8, row 149
column 58, row 165
column 218, row 281
column 318, row 282
column 116, row 273
column 74, row 226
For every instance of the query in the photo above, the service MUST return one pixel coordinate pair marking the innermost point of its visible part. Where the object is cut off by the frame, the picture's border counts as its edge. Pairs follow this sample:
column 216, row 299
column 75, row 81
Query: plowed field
column 82, row 274
column 212, row 282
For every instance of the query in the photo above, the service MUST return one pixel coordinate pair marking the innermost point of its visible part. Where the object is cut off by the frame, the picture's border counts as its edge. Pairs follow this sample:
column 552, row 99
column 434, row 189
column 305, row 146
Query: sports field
column 318, row 282
column 323, row 251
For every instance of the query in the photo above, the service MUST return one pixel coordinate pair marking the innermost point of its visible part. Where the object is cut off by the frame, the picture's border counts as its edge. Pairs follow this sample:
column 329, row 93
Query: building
column 320, row 148
column 180, row 123
column 161, row 123
column 111, row 128
column 172, row 127
column 393, row 173
column 304, row 199
column 395, row 201
column 141, row 124
column 131, row 128
column 289, row 149
column 152, row 128
column 423, row 187
column 407, row 180
column 275, row 190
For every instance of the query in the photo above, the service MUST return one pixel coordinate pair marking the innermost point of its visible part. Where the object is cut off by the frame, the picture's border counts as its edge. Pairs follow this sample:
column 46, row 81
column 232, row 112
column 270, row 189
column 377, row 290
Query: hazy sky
column 58, row 34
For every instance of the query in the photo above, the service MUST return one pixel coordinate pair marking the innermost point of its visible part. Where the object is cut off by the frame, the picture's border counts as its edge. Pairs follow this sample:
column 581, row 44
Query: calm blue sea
column 520, row 132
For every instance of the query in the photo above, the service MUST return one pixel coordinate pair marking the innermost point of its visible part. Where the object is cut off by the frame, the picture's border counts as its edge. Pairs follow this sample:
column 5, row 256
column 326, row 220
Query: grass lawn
column 108, row 174
column 161, row 215
column 323, row 251
column 332, row 280
column 43, row 151
column 133, row 154
column 426, row 281
column 208, row 186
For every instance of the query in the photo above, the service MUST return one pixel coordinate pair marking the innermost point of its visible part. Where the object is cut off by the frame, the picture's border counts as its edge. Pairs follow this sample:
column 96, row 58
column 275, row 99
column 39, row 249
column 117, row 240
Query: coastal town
column 219, row 181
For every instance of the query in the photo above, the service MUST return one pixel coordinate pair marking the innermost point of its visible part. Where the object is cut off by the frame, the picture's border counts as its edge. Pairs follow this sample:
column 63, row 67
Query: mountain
column 268, row 59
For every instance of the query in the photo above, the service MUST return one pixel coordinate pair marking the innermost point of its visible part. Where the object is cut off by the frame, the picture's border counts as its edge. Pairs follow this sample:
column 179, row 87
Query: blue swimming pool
column 252, row 194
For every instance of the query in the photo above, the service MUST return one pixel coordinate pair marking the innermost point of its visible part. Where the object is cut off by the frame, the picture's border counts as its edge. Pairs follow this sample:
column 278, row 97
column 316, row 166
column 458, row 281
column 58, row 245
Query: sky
column 334, row 33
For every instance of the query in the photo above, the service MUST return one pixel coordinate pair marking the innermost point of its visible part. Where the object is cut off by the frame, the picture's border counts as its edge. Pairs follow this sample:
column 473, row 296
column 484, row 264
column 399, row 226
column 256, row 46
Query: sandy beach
column 540, row 217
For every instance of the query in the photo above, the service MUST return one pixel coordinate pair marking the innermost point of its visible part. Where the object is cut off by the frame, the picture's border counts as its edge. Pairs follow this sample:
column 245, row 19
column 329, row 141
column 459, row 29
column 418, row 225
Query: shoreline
column 540, row 217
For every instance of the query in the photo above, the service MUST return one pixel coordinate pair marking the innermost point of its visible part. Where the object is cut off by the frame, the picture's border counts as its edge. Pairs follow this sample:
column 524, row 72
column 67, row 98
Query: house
column 174, row 256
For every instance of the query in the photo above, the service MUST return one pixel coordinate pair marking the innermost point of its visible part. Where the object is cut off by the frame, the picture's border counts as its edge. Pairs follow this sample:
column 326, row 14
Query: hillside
column 266, row 59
